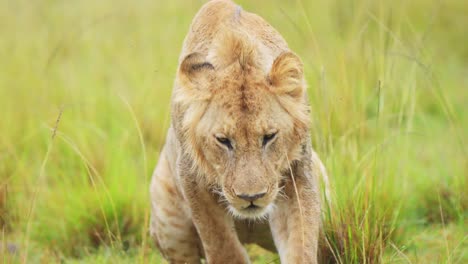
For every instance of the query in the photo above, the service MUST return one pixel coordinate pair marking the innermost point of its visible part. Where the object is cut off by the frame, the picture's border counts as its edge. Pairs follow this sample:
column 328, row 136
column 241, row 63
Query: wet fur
column 238, row 77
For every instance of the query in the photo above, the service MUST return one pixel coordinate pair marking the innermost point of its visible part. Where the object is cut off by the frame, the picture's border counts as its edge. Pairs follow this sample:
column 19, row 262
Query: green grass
column 84, row 97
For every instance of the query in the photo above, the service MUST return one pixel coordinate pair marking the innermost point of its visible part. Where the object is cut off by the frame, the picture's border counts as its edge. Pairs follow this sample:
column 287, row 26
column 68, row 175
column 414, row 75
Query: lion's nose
column 251, row 197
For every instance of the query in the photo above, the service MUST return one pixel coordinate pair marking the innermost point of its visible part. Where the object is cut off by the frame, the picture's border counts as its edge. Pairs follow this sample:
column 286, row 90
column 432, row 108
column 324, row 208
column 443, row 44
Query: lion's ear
column 286, row 80
column 195, row 71
column 287, row 76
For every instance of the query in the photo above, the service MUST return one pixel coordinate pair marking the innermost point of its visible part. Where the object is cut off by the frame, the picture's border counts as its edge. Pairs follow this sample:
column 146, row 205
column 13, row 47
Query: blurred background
column 84, row 100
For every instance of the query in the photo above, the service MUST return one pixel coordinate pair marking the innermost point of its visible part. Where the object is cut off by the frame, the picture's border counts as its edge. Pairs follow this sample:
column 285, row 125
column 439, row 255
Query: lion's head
column 243, row 122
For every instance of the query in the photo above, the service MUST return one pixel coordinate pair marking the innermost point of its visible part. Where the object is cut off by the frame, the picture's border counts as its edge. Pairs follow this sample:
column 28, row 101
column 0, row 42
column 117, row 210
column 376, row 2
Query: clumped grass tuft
column 356, row 236
column 444, row 204
column 4, row 214
column 86, row 222
column 6, row 199
column 3, row 206
column 105, row 256
column 359, row 229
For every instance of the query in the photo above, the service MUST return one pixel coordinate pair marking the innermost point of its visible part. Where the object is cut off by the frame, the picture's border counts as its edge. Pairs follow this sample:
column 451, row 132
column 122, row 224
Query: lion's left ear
column 287, row 76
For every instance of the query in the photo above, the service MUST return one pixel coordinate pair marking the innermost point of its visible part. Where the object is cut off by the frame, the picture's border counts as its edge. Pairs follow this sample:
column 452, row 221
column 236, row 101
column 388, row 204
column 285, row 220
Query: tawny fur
column 238, row 81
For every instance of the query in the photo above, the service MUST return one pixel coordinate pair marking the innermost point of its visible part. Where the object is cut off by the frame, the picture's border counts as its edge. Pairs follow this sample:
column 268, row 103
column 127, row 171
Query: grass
column 85, row 91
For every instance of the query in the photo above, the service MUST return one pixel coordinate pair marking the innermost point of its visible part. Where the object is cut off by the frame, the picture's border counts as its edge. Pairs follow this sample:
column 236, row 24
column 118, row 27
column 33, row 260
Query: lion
column 237, row 165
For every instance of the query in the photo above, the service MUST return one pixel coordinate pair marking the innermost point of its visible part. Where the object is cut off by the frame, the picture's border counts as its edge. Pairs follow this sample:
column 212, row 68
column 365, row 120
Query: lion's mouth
column 252, row 211
column 252, row 207
column 257, row 209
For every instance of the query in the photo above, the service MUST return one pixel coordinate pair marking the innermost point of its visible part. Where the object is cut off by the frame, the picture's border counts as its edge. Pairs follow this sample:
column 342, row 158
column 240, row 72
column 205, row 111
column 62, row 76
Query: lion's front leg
column 215, row 228
column 296, row 220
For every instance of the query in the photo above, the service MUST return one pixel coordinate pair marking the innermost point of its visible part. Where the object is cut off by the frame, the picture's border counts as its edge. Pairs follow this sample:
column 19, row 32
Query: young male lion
column 238, row 148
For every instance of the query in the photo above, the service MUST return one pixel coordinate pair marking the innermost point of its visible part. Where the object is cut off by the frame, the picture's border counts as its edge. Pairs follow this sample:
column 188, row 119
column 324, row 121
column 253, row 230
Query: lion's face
column 243, row 127
column 247, row 142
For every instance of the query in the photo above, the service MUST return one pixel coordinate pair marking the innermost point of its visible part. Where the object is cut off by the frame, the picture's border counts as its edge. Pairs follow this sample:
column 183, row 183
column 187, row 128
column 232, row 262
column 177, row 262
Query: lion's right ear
column 195, row 71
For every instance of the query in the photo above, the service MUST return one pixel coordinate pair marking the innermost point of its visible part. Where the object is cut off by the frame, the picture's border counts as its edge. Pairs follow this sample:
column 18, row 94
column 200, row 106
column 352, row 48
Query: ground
column 84, row 97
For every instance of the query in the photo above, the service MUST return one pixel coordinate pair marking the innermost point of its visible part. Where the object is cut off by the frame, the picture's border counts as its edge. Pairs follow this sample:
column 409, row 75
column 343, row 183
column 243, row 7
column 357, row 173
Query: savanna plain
column 85, row 92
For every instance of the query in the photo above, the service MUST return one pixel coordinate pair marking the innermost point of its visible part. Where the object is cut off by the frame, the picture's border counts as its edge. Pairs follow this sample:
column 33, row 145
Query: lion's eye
column 224, row 141
column 268, row 138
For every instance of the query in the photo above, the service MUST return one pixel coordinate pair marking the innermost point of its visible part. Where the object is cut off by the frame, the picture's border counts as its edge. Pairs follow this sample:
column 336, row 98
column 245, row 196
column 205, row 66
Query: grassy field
column 84, row 102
